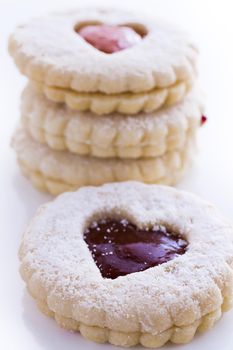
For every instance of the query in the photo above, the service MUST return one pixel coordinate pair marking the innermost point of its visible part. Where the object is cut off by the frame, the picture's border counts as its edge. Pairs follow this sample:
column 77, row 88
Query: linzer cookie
column 130, row 263
column 60, row 171
column 124, row 103
column 106, row 60
column 144, row 135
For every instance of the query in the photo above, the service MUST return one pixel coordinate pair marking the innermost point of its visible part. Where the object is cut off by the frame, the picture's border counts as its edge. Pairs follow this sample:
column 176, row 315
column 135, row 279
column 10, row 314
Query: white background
column 211, row 23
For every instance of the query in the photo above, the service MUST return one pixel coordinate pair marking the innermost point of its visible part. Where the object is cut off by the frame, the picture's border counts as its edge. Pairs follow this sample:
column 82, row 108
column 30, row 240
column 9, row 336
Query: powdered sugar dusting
column 65, row 59
column 192, row 283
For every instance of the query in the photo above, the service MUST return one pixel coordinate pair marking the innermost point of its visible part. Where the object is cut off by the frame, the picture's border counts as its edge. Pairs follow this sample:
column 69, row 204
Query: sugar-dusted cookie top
column 66, row 50
column 57, row 256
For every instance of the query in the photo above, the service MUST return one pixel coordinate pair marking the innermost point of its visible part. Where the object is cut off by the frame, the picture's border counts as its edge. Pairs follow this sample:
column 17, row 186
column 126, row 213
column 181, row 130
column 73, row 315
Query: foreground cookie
column 73, row 57
column 60, row 171
column 130, row 263
column 144, row 135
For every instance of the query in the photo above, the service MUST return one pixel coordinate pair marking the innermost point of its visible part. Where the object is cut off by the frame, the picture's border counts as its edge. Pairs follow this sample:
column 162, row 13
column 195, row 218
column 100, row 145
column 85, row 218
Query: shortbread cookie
column 144, row 135
column 130, row 263
column 59, row 171
column 52, row 50
column 124, row 103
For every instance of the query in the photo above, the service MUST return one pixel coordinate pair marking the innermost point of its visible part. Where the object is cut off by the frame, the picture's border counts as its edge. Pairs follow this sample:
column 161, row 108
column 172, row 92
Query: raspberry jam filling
column 120, row 248
column 203, row 119
column 110, row 39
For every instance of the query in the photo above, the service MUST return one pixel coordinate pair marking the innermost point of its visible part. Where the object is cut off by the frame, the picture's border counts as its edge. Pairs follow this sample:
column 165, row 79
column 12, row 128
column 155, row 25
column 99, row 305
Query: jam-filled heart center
column 109, row 38
column 120, row 248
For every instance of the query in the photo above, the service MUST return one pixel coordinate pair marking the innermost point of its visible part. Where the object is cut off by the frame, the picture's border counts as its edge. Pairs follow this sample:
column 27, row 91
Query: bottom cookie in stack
column 60, row 171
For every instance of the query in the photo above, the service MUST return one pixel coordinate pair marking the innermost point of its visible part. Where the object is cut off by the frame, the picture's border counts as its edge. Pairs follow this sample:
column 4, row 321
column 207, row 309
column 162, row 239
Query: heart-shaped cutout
column 109, row 38
column 120, row 248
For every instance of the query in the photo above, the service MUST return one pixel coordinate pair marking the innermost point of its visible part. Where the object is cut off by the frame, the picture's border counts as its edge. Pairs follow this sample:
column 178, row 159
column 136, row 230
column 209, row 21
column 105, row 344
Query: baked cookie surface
column 51, row 51
column 144, row 135
column 124, row 103
column 169, row 301
column 60, row 171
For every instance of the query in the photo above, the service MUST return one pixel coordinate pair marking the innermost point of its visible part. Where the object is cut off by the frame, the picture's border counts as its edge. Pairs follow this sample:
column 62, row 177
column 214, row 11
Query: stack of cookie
column 111, row 97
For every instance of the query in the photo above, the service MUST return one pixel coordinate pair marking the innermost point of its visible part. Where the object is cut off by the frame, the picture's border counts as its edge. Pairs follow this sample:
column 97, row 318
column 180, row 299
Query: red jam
column 120, row 248
column 203, row 119
column 109, row 39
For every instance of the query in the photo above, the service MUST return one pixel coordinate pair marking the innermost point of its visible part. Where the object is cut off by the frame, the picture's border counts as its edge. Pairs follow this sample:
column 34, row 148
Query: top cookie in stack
column 110, row 98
